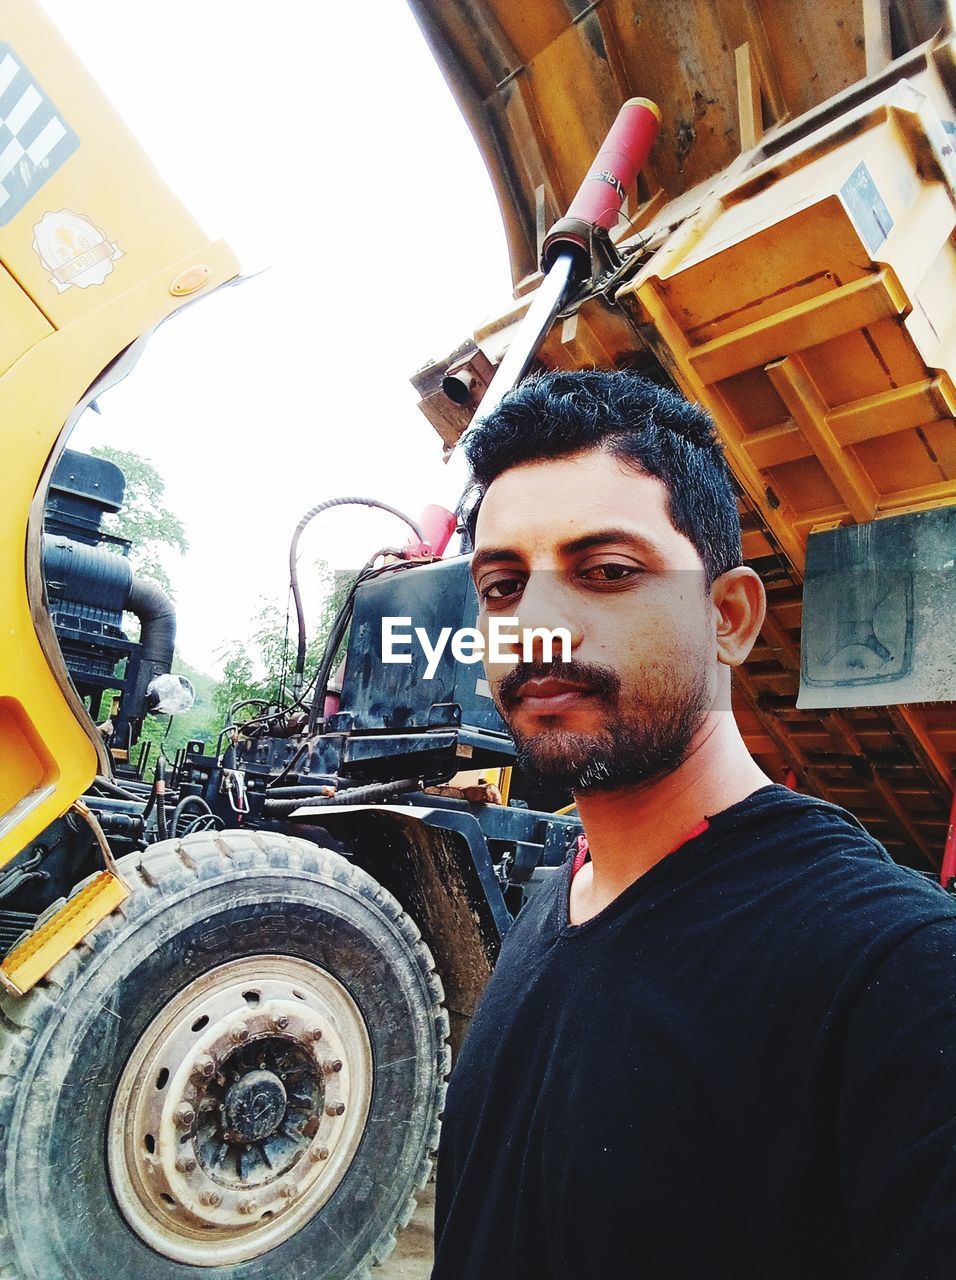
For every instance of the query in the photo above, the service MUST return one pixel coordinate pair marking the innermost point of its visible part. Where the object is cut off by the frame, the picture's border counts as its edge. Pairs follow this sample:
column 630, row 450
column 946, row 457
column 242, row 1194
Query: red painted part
column 616, row 166
column 948, row 870
column 790, row 779
column 438, row 525
column 580, row 856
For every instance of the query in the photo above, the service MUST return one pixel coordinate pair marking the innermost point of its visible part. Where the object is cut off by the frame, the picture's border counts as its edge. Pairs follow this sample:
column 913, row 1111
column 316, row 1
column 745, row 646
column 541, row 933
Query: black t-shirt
column 743, row 1067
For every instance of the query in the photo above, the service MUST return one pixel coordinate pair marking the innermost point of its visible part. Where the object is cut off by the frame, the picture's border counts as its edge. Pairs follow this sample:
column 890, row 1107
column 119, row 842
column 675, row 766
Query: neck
column 633, row 828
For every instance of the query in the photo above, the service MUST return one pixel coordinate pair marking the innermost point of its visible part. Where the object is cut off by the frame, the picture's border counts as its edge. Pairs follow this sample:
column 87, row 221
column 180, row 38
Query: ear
column 740, row 604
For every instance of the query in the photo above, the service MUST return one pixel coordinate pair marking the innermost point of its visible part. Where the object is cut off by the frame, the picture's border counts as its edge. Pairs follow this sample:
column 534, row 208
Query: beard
column 645, row 733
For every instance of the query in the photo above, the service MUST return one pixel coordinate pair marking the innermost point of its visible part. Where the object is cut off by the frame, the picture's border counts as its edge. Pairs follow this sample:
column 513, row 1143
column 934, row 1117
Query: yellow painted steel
column 816, row 324
column 36, row 955
column 126, row 246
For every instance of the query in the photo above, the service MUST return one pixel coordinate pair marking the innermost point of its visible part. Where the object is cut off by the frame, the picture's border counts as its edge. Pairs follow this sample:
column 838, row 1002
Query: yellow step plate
column 34, row 957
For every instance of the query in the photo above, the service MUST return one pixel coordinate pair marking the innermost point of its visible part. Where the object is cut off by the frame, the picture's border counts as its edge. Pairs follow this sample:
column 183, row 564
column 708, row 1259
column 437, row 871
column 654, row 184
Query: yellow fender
column 95, row 252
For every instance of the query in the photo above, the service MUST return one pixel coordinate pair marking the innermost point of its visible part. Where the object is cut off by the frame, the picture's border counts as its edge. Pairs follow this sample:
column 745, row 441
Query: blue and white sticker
column 866, row 207
column 35, row 140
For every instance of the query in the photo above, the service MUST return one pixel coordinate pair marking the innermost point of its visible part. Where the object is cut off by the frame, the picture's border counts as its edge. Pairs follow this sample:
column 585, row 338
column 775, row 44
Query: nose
column 544, row 607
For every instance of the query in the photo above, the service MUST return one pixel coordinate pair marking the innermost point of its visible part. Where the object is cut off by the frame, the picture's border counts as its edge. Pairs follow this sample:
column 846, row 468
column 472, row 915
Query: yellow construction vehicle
column 227, row 993
column 785, row 259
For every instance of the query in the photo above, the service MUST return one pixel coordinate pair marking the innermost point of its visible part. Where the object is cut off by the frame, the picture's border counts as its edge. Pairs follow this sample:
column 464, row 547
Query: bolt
column 287, row 1191
column 239, row 1033
column 247, row 1206
column 318, row 1153
column 184, row 1116
column 212, row 1198
column 333, row 1066
column 335, row 1109
column 279, row 1022
column 203, row 1068
column 185, row 1164
column 315, row 1033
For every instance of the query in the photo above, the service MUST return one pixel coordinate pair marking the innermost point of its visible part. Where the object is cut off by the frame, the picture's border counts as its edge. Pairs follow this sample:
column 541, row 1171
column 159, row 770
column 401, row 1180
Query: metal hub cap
column 240, row 1110
column 255, row 1106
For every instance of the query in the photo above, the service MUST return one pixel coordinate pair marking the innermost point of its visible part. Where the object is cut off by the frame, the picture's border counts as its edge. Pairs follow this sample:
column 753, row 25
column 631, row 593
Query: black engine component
column 90, row 584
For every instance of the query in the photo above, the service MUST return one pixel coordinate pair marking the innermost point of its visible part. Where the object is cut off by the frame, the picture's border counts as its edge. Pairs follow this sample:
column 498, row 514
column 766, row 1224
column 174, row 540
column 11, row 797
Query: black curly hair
column 649, row 427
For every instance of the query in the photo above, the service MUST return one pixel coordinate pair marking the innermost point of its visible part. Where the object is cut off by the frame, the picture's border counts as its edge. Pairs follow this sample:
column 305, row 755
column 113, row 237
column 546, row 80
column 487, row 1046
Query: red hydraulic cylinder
column 606, row 184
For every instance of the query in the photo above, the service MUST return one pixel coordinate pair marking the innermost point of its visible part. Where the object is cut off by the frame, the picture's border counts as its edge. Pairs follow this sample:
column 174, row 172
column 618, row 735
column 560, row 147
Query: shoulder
column 541, row 916
column 832, row 880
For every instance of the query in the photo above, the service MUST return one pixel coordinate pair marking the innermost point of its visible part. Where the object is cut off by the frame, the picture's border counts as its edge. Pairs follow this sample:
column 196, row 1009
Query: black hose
column 337, row 632
column 157, row 615
column 324, row 673
column 354, row 795
column 300, row 752
column 293, row 569
column 111, row 789
column 247, row 702
column 301, row 789
column 181, row 808
column 160, row 791
column 204, row 822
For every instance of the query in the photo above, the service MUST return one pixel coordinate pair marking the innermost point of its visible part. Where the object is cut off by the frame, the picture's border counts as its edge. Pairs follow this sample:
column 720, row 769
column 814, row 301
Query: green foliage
column 200, row 721
column 258, row 665
column 253, row 667
column 261, row 665
column 152, row 529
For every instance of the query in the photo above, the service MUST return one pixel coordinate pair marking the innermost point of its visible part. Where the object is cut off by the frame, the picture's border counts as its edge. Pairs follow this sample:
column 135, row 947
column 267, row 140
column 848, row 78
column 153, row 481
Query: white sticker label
column 74, row 250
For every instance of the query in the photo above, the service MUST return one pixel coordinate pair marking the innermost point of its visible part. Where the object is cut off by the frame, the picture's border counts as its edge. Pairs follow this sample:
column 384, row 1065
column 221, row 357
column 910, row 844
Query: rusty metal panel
column 879, row 612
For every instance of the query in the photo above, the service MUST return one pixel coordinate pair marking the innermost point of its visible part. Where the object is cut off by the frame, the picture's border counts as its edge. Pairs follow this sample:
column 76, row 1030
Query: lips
column 550, row 688
column 551, row 696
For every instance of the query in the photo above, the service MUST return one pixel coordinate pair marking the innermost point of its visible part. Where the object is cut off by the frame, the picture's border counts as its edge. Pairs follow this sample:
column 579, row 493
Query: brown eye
column 609, row 571
column 503, row 589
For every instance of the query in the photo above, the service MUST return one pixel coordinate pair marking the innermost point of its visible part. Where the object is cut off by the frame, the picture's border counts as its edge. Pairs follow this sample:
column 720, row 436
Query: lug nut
column 335, row 1109
column 287, row 1191
column 318, row 1153
column 212, row 1198
column 315, row 1033
column 279, row 1022
column 185, row 1164
column 333, row 1066
column 203, row 1068
column 184, row 1117
column 247, row 1206
column 239, row 1033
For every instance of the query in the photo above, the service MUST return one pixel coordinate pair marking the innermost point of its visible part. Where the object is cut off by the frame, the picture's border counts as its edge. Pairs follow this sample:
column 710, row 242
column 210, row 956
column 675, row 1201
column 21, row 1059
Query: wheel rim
column 240, row 1110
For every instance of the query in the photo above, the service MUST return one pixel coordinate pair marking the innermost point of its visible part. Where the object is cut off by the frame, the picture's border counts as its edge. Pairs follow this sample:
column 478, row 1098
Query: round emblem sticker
column 74, row 250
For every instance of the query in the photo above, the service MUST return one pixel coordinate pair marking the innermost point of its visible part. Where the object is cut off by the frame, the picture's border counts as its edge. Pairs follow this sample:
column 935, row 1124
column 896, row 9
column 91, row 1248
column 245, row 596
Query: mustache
column 600, row 680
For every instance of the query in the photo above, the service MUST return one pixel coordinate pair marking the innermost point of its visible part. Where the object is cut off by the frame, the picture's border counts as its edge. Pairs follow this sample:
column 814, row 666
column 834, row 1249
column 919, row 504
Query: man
column 726, row 1046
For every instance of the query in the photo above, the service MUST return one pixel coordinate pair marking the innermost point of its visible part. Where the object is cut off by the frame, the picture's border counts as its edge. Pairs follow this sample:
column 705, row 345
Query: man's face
column 586, row 543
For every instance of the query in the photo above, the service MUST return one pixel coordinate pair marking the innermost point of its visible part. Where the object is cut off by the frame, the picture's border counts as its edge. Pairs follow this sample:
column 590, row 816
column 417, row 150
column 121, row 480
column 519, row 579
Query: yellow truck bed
column 792, row 268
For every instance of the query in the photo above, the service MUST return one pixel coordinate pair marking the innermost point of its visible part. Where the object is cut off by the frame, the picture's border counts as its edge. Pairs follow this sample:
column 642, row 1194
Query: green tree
column 145, row 520
column 202, row 721
column 261, row 665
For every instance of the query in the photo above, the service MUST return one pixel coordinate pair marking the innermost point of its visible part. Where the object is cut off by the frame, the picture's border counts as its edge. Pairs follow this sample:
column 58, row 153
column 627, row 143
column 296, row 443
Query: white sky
column 265, row 399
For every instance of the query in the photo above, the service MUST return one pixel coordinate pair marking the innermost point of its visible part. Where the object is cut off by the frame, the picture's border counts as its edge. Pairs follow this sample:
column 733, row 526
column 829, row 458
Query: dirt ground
column 412, row 1259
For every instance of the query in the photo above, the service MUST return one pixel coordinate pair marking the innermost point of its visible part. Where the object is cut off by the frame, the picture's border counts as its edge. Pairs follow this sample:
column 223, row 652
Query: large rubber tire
column 200, row 905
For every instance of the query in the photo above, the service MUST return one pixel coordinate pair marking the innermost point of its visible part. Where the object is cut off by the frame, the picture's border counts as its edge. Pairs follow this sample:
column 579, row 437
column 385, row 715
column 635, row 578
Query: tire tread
column 170, row 868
